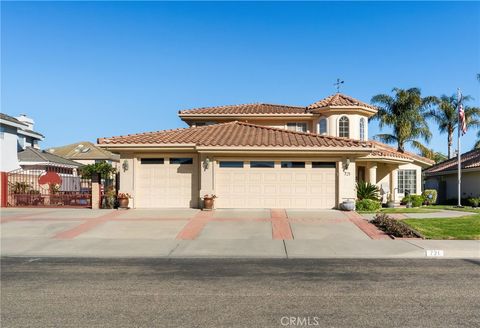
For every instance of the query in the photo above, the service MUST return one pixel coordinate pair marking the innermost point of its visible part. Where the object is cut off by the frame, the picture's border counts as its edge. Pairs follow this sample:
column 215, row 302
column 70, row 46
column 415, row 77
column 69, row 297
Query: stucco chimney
column 27, row 120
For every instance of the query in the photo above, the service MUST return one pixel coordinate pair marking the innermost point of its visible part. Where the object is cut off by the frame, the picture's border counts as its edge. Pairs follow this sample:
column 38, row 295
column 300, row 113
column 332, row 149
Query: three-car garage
column 169, row 180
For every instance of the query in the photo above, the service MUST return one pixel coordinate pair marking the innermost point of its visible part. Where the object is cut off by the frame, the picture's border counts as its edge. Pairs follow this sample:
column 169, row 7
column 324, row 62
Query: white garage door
column 279, row 184
column 167, row 182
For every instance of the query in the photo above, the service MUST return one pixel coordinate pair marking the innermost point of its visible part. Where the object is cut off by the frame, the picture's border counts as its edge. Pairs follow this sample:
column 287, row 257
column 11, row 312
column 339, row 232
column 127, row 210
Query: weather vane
column 338, row 84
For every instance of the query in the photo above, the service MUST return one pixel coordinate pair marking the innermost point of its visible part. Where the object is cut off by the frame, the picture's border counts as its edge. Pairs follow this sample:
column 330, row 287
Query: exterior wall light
column 206, row 163
column 125, row 165
column 346, row 164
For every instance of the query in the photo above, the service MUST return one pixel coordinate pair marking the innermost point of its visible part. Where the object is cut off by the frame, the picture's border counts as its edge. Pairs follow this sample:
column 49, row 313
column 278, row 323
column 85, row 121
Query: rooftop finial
column 338, row 84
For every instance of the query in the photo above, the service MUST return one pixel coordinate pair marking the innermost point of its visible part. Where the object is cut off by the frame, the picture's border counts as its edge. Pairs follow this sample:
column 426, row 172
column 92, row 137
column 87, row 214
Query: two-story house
column 16, row 134
column 264, row 156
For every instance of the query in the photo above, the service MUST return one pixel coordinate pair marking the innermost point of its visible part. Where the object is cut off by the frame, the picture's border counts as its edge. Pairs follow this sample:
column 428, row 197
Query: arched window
column 322, row 126
column 362, row 129
column 343, row 127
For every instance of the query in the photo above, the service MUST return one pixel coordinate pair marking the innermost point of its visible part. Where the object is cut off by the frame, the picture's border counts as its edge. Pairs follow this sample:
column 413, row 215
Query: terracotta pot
column 123, row 202
column 208, row 203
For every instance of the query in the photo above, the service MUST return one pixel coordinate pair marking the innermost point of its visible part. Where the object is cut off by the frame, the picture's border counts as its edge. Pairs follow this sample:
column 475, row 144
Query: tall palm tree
column 405, row 113
column 445, row 115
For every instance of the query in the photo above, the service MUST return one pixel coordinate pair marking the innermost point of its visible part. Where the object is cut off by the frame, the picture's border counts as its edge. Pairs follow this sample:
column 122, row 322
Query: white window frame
column 362, row 128
column 324, row 119
column 340, row 128
column 407, row 179
column 298, row 126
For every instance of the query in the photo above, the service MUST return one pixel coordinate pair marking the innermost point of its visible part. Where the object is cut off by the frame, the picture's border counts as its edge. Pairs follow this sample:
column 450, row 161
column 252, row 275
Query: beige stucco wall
column 346, row 181
column 332, row 125
column 127, row 177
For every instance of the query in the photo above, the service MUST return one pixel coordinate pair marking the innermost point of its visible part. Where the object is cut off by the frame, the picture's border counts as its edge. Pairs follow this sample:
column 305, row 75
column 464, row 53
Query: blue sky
column 84, row 70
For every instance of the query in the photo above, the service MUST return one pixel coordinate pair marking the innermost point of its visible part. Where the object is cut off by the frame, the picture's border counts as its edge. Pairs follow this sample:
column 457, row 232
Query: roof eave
column 233, row 116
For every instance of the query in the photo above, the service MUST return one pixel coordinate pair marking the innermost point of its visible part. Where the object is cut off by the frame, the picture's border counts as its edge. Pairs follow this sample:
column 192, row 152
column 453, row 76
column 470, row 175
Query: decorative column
column 3, row 189
column 372, row 173
column 96, row 197
column 394, row 183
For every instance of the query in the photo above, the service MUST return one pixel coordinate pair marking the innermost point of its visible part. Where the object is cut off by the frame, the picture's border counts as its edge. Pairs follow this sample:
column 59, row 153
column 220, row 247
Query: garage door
column 279, row 184
column 167, row 182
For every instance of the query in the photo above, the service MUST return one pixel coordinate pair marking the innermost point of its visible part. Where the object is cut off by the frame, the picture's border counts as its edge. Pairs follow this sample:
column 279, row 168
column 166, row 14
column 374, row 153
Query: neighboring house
column 443, row 177
column 15, row 135
column 264, row 156
column 85, row 152
column 36, row 159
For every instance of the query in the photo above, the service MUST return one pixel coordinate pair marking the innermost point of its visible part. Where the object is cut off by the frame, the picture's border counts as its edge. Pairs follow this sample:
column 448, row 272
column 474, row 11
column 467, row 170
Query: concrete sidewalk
column 187, row 233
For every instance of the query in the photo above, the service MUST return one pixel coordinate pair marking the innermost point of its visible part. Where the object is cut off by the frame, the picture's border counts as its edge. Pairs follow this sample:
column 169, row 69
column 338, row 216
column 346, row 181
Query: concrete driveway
column 272, row 233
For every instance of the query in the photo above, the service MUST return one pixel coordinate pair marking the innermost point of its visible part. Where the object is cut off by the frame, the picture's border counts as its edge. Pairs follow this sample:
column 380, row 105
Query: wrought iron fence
column 49, row 187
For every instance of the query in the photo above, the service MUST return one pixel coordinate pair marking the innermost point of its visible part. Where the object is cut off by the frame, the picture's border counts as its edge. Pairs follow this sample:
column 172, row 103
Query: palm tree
column 435, row 156
column 477, row 144
column 446, row 116
column 405, row 113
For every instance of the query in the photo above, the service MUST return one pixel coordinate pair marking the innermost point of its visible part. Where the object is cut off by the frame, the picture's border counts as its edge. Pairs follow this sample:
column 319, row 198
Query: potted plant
column 390, row 202
column 208, row 201
column 123, row 199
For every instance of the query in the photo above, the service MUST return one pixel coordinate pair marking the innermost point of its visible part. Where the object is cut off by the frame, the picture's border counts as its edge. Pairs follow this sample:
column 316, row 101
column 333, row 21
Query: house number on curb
column 434, row 252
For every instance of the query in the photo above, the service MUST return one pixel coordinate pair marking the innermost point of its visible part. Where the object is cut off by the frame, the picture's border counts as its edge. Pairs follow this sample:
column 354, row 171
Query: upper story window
column 362, row 129
column 344, row 127
column 299, row 127
column 322, row 126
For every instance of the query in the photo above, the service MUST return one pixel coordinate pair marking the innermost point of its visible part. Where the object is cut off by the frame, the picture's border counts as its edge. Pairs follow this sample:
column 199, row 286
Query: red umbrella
column 50, row 178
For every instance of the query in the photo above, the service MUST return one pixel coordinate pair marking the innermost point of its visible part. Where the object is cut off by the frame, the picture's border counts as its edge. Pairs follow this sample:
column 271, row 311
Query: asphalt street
column 82, row 292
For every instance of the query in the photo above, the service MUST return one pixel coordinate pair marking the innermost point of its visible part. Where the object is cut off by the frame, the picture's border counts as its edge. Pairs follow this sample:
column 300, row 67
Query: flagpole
column 459, row 98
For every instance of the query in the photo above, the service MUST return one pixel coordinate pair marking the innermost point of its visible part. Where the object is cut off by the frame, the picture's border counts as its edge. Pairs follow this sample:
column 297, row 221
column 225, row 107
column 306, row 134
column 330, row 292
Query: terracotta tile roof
column 382, row 149
column 339, row 99
column 468, row 160
column 245, row 109
column 236, row 134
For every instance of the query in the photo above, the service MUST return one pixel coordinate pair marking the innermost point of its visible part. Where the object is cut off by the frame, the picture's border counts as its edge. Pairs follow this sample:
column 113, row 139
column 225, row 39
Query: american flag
column 461, row 115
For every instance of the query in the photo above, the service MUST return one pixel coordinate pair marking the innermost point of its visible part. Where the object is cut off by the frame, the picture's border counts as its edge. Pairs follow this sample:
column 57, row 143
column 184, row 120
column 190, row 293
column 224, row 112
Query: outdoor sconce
column 346, row 164
column 125, row 165
column 206, row 163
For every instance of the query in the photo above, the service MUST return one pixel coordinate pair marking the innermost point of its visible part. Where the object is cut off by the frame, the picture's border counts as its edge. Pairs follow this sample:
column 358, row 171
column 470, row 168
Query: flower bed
column 394, row 227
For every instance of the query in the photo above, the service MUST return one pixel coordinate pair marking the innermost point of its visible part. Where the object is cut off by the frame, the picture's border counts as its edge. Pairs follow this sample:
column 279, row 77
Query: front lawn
column 403, row 210
column 465, row 227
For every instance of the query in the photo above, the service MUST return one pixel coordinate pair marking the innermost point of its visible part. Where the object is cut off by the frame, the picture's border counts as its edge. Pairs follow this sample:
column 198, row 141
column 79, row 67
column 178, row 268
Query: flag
column 461, row 115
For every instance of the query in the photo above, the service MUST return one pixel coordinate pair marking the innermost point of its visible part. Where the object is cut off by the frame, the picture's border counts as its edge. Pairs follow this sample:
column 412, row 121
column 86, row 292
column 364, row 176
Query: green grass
column 463, row 228
column 453, row 208
column 403, row 210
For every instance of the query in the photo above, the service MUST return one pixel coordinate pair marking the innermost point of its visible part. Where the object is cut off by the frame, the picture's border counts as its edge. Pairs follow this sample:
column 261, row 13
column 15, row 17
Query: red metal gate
column 52, row 187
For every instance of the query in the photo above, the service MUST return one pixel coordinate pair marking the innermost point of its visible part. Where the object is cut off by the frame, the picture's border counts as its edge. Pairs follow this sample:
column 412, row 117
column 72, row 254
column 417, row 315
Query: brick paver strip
column 369, row 229
column 281, row 229
column 88, row 225
column 195, row 225
column 19, row 217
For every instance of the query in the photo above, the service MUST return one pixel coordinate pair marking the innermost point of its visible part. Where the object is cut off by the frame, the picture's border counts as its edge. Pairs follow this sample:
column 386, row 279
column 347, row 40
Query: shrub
column 430, row 196
column 369, row 205
column 474, row 202
column 393, row 227
column 416, row 200
column 366, row 190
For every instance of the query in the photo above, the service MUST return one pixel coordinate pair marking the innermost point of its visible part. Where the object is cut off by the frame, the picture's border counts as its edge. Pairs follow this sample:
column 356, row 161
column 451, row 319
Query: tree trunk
column 450, row 142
